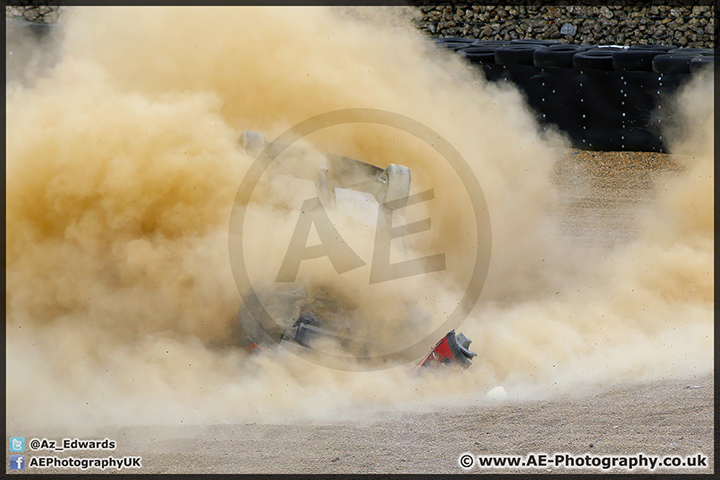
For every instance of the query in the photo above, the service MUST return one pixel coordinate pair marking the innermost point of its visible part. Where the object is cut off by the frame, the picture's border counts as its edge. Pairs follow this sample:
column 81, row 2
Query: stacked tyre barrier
column 604, row 97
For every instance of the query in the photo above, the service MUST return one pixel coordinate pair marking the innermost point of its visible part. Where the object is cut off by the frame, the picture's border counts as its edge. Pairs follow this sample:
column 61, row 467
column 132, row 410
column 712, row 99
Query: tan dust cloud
column 122, row 168
column 646, row 310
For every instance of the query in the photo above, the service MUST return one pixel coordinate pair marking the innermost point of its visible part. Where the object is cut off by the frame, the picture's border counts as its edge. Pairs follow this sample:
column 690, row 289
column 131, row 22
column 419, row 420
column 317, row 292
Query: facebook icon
column 17, row 462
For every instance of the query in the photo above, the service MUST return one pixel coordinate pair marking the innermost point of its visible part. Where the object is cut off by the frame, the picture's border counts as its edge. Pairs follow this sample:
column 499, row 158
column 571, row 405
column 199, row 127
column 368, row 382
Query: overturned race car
column 303, row 316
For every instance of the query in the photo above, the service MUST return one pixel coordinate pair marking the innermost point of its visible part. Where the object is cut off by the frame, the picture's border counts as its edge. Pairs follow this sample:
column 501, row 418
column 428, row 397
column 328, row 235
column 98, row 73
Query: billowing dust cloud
column 123, row 166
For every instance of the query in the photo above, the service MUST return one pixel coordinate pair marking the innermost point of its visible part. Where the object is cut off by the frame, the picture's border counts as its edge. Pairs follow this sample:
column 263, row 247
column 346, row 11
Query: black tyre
column 608, row 48
column 557, row 55
column 454, row 40
column 517, row 54
column 479, row 54
column 692, row 51
column 635, row 59
column 672, row 63
column 702, row 62
column 532, row 41
column 490, row 43
column 453, row 45
column 599, row 58
column 662, row 48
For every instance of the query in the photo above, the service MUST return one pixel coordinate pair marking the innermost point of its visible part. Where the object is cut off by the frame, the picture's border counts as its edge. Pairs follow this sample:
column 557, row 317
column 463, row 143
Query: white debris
column 497, row 393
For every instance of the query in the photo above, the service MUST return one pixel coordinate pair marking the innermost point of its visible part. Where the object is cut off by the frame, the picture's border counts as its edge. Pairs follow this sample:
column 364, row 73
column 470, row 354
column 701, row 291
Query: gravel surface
column 603, row 196
column 673, row 417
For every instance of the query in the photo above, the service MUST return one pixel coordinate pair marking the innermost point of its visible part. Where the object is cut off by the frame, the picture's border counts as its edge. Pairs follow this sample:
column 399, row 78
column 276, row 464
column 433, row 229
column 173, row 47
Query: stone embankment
column 684, row 26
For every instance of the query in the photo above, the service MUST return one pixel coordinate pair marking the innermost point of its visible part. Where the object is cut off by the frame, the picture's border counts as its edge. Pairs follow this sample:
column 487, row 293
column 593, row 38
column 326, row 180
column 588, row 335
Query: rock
column 31, row 15
column 568, row 29
column 606, row 12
